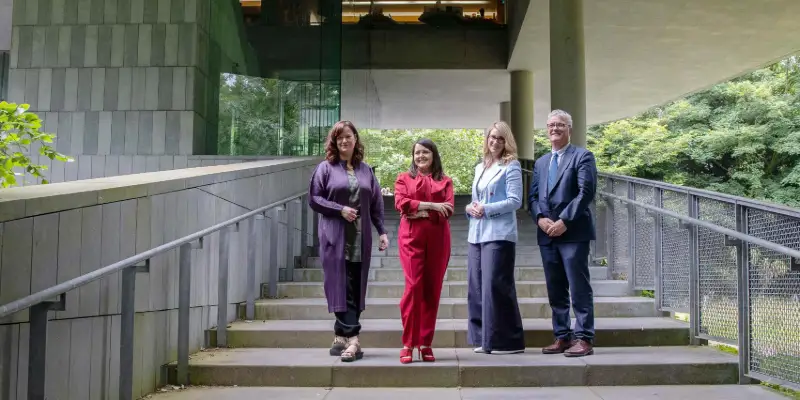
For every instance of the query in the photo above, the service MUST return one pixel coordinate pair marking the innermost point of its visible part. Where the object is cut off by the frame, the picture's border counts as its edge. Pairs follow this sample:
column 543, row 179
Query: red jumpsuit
column 424, row 247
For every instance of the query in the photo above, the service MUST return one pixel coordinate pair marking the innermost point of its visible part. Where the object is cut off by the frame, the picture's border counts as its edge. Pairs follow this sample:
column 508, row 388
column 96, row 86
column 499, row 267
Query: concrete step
column 386, row 333
column 521, row 260
column 530, row 307
column 458, row 250
column 705, row 392
column 454, row 273
column 454, row 289
column 610, row 366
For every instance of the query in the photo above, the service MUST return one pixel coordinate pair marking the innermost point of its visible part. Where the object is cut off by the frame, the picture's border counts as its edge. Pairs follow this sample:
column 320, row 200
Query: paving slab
column 705, row 392
column 463, row 368
column 386, row 333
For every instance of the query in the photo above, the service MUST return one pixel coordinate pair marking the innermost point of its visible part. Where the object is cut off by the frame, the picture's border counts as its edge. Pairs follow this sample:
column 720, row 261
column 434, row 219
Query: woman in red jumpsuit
column 424, row 198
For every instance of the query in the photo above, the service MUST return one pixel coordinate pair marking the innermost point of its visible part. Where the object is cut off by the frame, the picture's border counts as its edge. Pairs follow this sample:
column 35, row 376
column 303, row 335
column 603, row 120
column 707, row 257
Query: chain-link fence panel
column 675, row 255
column 644, row 268
column 620, row 253
column 717, row 271
column 774, row 305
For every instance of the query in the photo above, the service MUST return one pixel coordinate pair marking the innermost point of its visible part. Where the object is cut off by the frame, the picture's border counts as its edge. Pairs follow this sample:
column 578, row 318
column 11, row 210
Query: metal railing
column 42, row 302
column 731, row 263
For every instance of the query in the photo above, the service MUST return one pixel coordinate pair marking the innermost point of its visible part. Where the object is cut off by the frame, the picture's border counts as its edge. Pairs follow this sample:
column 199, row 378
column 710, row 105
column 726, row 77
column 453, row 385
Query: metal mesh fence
column 644, row 252
column 717, row 273
column 774, row 291
column 620, row 250
column 675, row 255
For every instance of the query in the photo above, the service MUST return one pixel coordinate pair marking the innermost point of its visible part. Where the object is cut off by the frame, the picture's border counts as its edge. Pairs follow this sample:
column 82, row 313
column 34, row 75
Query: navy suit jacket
column 570, row 197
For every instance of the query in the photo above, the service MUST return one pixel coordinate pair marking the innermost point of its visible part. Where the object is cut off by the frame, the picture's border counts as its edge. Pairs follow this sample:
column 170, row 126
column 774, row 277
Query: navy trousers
column 566, row 270
column 494, row 319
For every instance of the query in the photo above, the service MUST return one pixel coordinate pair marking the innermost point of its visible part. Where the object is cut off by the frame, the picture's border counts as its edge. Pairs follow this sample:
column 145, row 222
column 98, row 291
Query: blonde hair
column 509, row 150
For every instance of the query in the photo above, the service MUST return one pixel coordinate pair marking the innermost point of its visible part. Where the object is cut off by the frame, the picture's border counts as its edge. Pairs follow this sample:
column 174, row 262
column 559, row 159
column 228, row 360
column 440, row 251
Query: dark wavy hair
column 437, row 172
column 332, row 151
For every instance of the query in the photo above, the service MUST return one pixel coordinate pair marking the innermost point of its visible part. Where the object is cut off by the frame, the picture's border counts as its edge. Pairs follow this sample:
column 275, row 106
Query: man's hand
column 545, row 224
column 557, row 229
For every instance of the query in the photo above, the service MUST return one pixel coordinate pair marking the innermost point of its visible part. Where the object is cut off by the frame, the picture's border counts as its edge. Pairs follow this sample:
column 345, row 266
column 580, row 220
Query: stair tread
column 448, row 301
column 462, row 358
column 376, row 325
column 451, row 283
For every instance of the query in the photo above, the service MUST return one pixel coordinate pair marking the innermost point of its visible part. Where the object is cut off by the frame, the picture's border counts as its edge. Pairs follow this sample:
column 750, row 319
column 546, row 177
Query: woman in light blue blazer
column 495, row 325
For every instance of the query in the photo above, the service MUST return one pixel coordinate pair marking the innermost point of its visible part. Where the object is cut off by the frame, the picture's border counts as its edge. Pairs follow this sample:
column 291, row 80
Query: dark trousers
column 566, row 270
column 494, row 319
column 347, row 322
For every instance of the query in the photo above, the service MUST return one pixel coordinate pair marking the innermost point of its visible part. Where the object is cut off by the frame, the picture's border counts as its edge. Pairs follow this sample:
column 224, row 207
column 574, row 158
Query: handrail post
column 222, row 285
column 290, row 232
column 631, row 238
column 609, row 230
column 273, row 268
column 657, row 245
column 37, row 345
column 184, row 306
column 304, row 251
column 252, row 284
column 694, row 274
column 743, row 296
column 126, row 341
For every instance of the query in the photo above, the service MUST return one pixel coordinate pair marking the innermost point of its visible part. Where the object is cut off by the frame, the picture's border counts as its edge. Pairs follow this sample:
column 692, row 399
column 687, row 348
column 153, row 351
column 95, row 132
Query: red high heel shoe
column 427, row 354
column 406, row 356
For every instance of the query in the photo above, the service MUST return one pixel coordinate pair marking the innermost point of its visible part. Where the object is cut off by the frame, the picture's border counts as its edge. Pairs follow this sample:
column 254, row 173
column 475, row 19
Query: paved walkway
column 716, row 392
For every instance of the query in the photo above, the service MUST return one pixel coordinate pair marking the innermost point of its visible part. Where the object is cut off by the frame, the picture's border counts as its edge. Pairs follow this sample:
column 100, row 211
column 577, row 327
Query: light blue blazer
column 501, row 199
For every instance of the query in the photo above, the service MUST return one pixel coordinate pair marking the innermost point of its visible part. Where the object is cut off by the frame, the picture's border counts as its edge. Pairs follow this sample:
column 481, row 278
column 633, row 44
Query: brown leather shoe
column 558, row 347
column 580, row 349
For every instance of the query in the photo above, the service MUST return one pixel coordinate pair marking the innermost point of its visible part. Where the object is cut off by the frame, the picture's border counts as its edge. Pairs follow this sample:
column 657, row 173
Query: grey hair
column 561, row 114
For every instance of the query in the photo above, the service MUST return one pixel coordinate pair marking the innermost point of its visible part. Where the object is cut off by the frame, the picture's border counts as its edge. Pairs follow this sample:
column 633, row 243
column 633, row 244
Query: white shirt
column 560, row 154
column 488, row 174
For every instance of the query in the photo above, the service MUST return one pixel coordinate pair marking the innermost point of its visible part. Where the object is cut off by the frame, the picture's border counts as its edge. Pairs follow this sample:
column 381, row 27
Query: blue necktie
column 553, row 173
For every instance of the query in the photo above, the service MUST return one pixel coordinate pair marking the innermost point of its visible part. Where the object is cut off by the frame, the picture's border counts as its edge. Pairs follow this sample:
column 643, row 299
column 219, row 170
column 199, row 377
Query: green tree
column 19, row 129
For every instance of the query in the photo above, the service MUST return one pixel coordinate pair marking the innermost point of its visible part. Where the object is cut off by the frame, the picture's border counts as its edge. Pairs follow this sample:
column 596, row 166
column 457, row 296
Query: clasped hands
column 445, row 209
column 350, row 214
column 552, row 229
column 475, row 209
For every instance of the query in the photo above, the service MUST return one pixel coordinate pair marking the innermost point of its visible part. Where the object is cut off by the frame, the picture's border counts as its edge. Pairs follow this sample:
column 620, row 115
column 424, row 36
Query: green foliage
column 19, row 130
column 389, row 152
column 740, row 137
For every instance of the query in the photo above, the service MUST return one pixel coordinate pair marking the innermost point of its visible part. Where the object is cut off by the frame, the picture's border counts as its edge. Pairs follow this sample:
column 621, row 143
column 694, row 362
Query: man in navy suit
column 562, row 189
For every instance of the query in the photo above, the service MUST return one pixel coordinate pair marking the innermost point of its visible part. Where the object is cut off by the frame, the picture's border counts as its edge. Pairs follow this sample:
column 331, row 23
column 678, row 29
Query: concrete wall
column 5, row 24
column 102, row 166
column 49, row 234
column 119, row 77
column 517, row 9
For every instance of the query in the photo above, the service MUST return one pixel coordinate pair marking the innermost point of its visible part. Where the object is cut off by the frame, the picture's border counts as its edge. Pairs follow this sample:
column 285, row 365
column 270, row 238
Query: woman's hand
column 350, row 214
column 384, row 242
column 475, row 210
column 446, row 209
column 417, row 215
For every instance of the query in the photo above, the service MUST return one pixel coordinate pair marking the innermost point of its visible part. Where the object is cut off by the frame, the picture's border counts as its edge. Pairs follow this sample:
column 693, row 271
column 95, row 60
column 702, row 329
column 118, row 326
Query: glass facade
column 282, row 93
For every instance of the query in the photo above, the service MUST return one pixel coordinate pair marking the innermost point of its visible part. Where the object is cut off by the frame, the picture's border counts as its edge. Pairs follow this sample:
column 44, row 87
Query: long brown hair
column 437, row 172
column 332, row 151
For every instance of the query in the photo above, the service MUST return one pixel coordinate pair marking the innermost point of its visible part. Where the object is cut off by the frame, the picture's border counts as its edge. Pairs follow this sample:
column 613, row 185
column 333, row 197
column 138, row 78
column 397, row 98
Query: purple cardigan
column 329, row 193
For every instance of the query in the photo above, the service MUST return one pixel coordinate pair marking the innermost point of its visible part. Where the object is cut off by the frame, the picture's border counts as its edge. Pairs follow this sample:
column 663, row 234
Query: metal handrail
column 53, row 291
column 708, row 225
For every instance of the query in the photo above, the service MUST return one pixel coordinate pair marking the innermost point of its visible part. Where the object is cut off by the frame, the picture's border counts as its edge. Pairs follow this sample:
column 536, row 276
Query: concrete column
column 522, row 112
column 567, row 64
column 505, row 111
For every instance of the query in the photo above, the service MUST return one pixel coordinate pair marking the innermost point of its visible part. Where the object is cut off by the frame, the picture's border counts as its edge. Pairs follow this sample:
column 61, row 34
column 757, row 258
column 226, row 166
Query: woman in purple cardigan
column 343, row 190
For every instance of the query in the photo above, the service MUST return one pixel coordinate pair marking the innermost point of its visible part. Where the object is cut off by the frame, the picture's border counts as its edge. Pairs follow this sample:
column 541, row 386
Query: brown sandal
column 353, row 351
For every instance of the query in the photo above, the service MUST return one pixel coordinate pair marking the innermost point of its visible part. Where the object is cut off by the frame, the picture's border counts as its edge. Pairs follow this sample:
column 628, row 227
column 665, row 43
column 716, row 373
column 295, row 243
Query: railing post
column 184, row 306
column 274, row 273
column 222, row 285
column 37, row 345
column 743, row 296
column 304, row 231
column 609, row 230
column 631, row 239
column 290, row 232
column 128, row 301
column 694, row 274
column 657, row 245
column 252, row 284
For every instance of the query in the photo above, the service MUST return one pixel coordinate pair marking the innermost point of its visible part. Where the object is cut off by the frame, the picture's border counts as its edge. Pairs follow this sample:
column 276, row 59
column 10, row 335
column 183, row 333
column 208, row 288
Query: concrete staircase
column 287, row 344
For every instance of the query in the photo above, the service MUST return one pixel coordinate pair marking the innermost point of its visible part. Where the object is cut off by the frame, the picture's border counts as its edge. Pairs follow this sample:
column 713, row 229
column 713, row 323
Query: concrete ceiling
column 639, row 53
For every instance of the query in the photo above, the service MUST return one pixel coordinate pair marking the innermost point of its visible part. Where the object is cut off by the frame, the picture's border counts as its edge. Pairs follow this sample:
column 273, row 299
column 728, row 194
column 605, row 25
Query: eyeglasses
column 556, row 125
column 498, row 139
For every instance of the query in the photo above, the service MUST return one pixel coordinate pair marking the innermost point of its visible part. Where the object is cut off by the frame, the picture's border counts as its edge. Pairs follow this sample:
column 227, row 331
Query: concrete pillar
column 567, row 64
column 522, row 112
column 505, row 111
